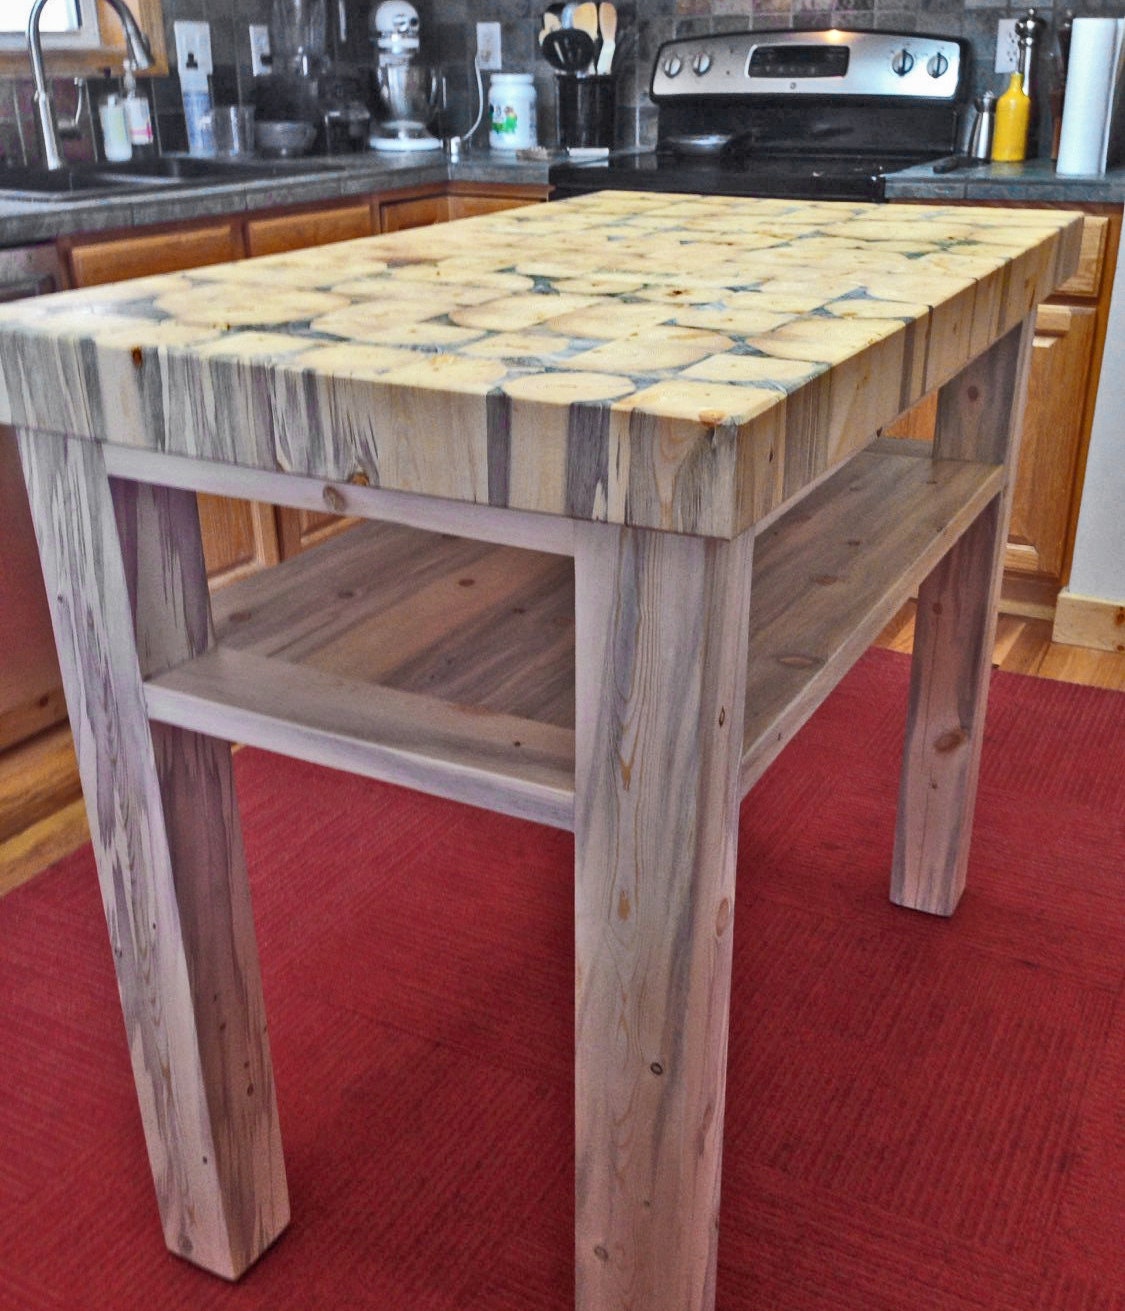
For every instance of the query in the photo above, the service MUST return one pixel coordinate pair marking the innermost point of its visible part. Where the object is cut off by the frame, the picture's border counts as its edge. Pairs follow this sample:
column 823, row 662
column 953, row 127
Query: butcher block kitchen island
column 627, row 520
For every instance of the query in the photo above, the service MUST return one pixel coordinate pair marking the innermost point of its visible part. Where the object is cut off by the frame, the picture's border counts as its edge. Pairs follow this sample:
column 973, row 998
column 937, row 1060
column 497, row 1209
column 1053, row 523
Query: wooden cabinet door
column 95, row 262
column 314, row 227
column 1049, row 446
column 470, row 206
column 238, row 537
column 1052, row 433
column 412, row 212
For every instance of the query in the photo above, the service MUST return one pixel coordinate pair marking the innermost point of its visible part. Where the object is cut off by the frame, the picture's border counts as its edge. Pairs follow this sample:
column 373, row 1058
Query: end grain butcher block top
column 676, row 362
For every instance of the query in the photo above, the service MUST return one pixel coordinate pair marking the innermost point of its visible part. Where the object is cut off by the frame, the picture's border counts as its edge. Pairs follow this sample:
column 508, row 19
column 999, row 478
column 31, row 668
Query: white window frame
column 86, row 37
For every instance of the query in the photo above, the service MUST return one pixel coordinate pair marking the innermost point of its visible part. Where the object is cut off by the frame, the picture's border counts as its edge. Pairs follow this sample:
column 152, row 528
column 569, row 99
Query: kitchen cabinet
column 307, row 227
column 457, row 200
column 93, row 261
column 1069, row 339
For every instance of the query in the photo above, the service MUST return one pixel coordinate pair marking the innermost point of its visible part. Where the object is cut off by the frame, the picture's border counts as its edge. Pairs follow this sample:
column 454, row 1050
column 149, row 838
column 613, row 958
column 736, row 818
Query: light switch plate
column 1007, row 47
column 260, row 61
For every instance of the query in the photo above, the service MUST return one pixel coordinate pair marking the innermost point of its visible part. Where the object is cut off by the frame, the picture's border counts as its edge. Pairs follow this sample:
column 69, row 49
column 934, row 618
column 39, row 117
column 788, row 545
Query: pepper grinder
column 1028, row 30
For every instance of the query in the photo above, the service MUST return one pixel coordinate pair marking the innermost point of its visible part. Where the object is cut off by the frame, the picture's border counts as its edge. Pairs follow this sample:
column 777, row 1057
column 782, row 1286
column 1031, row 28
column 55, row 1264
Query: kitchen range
column 820, row 114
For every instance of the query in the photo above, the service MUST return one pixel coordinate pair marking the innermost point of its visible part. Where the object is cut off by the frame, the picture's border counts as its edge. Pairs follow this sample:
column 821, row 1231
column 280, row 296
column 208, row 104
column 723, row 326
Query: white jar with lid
column 511, row 111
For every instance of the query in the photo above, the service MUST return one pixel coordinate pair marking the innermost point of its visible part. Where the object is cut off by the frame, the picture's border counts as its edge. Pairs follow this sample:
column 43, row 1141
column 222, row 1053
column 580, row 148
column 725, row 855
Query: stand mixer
column 409, row 91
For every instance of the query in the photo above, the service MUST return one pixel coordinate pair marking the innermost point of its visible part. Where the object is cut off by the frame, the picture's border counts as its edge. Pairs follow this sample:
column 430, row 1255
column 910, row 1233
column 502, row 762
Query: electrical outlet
column 488, row 47
column 193, row 50
column 260, row 59
column 1007, row 47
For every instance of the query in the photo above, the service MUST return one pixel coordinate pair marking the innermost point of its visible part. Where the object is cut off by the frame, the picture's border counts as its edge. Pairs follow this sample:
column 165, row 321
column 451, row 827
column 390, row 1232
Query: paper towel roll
column 1091, row 82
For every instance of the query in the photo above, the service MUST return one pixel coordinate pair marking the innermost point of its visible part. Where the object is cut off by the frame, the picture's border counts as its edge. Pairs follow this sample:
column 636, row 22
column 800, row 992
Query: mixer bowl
column 409, row 92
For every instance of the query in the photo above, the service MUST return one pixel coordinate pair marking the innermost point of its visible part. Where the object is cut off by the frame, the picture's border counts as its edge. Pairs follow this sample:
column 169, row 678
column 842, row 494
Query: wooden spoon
column 607, row 24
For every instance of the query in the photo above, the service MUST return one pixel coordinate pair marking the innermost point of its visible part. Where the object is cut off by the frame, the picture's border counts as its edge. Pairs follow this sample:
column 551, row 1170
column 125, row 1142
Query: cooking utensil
column 586, row 20
column 697, row 143
column 568, row 50
column 607, row 26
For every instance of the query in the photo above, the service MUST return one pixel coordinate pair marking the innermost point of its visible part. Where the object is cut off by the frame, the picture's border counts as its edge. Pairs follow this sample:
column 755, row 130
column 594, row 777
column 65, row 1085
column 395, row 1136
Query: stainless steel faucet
column 139, row 53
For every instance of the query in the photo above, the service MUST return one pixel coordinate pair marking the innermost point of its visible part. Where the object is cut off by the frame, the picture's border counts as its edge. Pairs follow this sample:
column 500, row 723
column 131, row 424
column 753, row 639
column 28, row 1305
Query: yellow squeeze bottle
column 1013, row 112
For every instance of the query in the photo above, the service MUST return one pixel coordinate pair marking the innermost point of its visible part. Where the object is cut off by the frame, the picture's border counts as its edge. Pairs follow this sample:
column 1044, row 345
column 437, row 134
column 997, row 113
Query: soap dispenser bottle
column 138, row 116
column 1013, row 112
column 115, row 134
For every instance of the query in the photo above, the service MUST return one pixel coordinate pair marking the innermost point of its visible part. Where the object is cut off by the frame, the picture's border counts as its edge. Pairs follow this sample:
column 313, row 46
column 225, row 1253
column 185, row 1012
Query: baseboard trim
column 1089, row 621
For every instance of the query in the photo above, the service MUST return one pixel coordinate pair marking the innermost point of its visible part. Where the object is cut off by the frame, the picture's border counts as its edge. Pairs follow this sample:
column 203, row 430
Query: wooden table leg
column 662, row 643
column 168, row 846
column 980, row 413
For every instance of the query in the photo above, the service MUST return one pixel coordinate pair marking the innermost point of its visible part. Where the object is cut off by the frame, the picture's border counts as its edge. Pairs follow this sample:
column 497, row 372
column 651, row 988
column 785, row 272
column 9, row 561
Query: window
column 69, row 23
column 80, row 37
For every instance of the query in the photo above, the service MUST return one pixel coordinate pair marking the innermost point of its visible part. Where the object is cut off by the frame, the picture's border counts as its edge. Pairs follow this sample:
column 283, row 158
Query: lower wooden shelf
column 447, row 664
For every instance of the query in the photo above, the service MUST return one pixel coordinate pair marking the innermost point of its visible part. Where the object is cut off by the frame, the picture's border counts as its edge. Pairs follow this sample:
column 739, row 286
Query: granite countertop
column 353, row 175
column 305, row 182
column 1030, row 183
column 677, row 362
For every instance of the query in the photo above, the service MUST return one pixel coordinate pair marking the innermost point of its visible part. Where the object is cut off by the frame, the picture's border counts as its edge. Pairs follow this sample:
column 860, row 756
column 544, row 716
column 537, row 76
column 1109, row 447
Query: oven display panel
column 798, row 61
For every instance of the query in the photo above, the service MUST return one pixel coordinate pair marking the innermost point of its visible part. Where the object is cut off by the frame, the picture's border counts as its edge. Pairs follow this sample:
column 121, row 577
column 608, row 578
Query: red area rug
column 923, row 1115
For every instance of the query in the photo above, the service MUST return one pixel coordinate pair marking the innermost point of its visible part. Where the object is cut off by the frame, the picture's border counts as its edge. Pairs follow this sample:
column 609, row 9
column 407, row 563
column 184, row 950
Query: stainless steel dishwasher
column 30, row 692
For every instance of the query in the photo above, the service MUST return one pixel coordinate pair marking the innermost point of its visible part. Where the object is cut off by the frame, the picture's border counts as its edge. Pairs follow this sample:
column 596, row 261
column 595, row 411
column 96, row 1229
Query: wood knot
column 657, row 1068
column 138, row 357
column 723, row 918
column 624, row 905
column 601, row 1253
column 825, row 580
column 797, row 661
column 951, row 741
column 333, row 499
column 359, row 479
column 466, row 582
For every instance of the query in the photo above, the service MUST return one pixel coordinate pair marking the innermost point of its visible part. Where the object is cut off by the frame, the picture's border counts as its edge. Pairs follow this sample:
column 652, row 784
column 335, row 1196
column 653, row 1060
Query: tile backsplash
column 449, row 38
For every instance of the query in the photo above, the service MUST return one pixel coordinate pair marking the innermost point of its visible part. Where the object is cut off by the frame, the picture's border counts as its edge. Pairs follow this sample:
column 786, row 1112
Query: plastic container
column 512, row 115
column 138, row 116
column 115, row 131
column 1013, row 113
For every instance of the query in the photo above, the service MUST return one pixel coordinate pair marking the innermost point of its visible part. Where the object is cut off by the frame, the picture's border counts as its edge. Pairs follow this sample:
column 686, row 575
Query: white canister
column 511, row 111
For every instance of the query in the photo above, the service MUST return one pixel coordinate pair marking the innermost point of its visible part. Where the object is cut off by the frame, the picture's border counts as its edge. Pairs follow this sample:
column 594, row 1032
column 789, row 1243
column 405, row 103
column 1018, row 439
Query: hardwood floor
column 42, row 817
column 1024, row 646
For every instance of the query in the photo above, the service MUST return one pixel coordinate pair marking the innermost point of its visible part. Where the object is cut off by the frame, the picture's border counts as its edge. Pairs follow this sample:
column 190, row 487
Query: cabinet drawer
column 95, row 262
column 1091, row 261
column 269, row 236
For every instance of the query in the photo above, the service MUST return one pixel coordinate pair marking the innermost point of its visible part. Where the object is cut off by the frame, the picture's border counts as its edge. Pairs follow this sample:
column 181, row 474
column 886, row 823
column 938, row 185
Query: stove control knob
column 937, row 65
column 902, row 62
column 673, row 65
column 701, row 64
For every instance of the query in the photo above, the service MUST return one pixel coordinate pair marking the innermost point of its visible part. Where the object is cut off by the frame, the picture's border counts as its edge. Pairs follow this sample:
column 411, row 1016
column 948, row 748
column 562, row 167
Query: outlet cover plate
column 193, row 48
column 1007, row 47
column 260, row 60
column 488, row 47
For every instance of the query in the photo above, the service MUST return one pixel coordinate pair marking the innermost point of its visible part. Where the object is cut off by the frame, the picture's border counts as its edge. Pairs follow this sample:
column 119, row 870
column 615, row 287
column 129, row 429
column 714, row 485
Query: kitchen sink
column 93, row 181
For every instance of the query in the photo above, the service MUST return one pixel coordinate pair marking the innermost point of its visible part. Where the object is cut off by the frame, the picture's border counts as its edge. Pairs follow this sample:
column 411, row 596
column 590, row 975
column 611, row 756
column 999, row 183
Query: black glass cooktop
column 803, row 175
